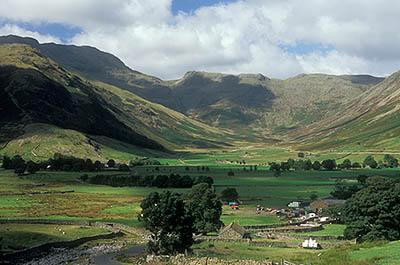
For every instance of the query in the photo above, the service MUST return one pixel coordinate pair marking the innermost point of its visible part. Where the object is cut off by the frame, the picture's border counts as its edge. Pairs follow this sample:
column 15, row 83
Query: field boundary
column 38, row 251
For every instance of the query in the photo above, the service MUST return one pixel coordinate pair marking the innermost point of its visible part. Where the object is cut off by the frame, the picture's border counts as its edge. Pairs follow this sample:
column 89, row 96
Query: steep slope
column 306, row 99
column 34, row 89
column 93, row 64
column 29, row 96
column 222, row 100
column 246, row 103
column 369, row 122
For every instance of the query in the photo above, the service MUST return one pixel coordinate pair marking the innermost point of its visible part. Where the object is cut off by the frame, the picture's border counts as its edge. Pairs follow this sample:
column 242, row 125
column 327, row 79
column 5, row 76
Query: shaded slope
column 222, row 100
column 37, row 90
column 94, row 64
column 28, row 96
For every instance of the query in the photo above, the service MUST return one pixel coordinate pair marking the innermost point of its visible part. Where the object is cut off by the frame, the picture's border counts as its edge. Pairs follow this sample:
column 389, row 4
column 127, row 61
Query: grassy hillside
column 266, row 106
column 36, row 90
column 369, row 122
column 246, row 102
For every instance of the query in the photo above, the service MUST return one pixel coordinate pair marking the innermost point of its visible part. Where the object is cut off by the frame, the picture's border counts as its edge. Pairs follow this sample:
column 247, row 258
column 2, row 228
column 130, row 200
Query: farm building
column 233, row 231
column 298, row 204
column 320, row 204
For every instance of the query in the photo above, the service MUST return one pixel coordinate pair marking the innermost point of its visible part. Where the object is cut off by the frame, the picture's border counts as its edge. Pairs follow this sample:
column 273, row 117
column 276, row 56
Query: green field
column 122, row 204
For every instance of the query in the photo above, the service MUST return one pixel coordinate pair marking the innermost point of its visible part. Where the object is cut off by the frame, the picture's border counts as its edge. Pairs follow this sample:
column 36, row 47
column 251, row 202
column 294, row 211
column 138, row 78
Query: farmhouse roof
column 235, row 227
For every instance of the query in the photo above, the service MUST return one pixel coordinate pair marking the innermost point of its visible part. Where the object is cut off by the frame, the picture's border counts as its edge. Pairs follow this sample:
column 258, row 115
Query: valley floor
column 63, row 196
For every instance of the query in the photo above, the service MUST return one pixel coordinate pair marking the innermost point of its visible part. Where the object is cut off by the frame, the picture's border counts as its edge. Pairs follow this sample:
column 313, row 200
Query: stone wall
column 46, row 222
column 120, row 227
column 267, row 226
column 181, row 259
column 221, row 239
column 114, row 227
column 297, row 229
column 295, row 236
column 35, row 252
column 270, row 244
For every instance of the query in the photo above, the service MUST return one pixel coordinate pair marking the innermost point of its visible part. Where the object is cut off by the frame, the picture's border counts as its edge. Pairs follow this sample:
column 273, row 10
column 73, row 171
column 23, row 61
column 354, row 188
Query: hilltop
column 90, row 91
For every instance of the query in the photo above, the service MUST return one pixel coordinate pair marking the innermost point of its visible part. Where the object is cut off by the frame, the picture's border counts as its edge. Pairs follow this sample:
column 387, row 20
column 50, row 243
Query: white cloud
column 238, row 37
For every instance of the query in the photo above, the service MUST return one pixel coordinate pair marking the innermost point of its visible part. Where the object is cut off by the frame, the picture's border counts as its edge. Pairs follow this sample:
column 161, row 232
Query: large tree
column 230, row 195
column 370, row 161
column 390, row 161
column 170, row 223
column 206, row 208
column 329, row 164
column 373, row 213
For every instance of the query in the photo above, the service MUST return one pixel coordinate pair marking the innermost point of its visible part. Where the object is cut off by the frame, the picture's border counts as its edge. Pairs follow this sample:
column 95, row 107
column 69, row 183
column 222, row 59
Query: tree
column 344, row 192
column 307, row 165
column 373, row 213
column 390, row 161
column 299, row 165
column 229, row 195
column 346, row 164
column 276, row 168
column 370, row 161
column 356, row 165
column 313, row 196
column 18, row 164
column 285, row 166
column 32, row 167
column 329, row 164
column 123, row 167
column 111, row 163
column 170, row 223
column 290, row 162
column 316, row 165
column 7, row 164
column 98, row 165
column 205, row 207
column 300, row 155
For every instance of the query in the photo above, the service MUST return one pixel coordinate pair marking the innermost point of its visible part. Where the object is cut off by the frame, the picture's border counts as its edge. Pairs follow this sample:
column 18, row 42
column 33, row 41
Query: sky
column 167, row 38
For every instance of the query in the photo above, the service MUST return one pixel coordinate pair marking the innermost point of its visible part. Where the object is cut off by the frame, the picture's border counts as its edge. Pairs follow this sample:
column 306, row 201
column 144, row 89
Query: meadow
column 39, row 196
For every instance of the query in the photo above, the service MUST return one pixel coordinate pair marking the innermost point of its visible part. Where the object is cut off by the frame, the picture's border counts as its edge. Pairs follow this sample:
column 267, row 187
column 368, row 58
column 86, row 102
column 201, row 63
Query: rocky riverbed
column 84, row 256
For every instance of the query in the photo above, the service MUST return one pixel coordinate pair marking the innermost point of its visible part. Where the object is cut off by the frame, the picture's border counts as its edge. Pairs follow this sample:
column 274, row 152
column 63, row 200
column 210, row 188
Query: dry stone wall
column 181, row 259
column 35, row 252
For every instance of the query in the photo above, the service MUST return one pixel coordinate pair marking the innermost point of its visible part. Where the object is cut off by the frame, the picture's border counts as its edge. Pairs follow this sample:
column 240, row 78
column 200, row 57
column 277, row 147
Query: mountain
column 247, row 102
column 34, row 89
column 368, row 122
column 92, row 94
column 93, row 64
column 263, row 105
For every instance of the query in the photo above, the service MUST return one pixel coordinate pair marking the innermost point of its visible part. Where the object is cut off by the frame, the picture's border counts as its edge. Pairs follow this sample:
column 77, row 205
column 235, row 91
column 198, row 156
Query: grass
column 21, row 236
column 227, row 250
column 384, row 253
column 361, row 254
column 329, row 230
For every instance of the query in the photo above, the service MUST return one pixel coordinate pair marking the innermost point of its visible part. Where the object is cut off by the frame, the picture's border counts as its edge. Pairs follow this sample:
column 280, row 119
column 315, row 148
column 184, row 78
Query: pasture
column 62, row 195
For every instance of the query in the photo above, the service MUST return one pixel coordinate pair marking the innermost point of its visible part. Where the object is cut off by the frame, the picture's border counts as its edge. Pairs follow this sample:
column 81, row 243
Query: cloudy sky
column 166, row 38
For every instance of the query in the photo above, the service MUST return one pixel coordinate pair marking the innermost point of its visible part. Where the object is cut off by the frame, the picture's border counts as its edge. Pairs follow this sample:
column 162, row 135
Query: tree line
column 59, row 162
column 159, row 181
column 389, row 161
